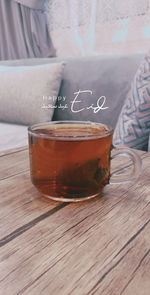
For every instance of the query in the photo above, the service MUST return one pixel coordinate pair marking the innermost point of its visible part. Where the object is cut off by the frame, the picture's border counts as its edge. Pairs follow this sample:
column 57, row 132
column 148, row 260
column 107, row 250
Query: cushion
column 25, row 90
column 133, row 125
column 13, row 136
column 108, row 76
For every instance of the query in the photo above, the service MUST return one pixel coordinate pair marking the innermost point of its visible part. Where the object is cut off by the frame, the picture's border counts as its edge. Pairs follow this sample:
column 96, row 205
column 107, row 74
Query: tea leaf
column 100, row 174
column 83, row 175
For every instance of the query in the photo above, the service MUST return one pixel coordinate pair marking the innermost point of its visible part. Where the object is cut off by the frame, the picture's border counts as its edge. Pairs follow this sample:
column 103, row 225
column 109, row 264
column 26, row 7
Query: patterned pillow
column 133, row 126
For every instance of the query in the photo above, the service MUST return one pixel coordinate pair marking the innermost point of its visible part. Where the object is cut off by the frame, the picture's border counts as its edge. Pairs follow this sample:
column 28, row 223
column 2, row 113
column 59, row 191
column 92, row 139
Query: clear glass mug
column 70, row 160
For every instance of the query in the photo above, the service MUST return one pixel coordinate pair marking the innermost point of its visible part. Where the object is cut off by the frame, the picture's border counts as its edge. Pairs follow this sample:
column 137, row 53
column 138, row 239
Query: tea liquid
column 67, row 163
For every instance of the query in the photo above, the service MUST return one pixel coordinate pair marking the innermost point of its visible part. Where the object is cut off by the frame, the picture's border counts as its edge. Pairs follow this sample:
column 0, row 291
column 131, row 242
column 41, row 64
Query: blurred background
column 68, row 28
column 102, row 42
column 93, row 27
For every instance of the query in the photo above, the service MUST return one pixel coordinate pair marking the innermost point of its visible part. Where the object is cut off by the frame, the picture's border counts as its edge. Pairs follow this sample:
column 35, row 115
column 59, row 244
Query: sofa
column 92, row 89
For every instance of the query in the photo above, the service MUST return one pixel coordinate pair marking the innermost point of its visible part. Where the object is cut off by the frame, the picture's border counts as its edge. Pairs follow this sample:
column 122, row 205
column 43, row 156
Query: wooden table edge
column 13, row 150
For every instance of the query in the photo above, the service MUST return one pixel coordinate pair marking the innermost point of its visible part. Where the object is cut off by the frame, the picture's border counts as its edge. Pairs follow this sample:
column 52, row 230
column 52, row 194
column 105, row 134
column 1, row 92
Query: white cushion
column 12, row 136
column 22, row 90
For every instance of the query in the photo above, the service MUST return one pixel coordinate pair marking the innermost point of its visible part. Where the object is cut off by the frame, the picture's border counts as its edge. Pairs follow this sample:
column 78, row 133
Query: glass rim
column 100, row 134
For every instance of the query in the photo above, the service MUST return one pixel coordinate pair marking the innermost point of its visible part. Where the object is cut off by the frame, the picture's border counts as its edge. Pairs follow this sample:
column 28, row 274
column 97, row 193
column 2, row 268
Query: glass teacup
column 70, row 160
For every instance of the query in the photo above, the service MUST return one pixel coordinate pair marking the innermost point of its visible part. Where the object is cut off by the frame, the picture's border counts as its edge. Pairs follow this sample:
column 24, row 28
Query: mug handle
column 136, row 163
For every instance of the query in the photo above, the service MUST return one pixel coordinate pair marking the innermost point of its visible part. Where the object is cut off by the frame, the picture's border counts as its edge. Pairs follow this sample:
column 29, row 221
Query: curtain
column 34, row 4
column 23, row 30
column 92, row 27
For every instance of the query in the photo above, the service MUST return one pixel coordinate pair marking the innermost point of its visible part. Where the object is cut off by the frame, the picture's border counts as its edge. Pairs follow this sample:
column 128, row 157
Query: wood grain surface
column 98, row 247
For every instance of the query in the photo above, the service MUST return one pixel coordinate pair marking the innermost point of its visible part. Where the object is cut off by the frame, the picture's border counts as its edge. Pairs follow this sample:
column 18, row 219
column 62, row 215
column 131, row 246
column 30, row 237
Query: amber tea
column 70, row 161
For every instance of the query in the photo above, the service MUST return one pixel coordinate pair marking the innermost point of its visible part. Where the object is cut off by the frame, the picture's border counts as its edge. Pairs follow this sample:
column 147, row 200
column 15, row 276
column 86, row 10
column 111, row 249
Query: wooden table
column 98, row 247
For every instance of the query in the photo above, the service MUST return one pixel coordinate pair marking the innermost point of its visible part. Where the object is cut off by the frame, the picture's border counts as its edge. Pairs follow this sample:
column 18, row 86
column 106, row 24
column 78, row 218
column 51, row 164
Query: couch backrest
column 98, row 76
